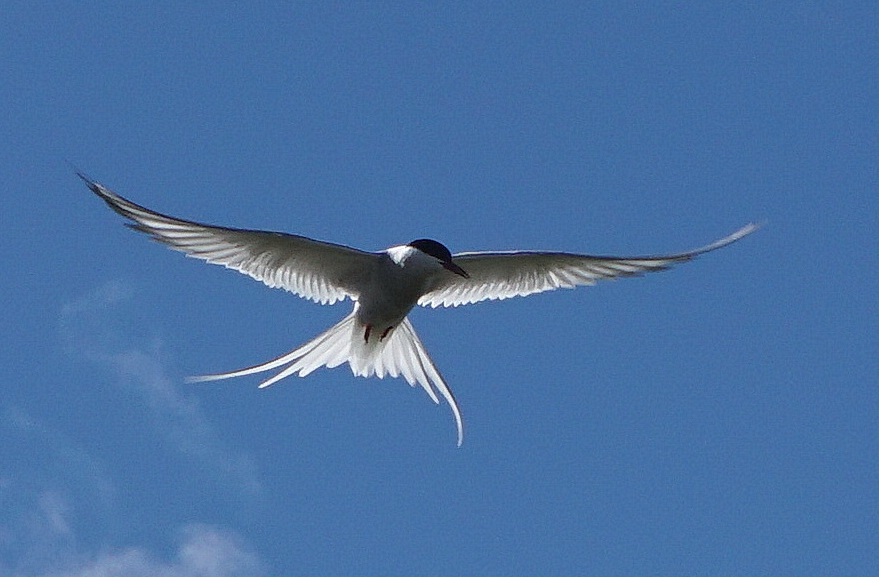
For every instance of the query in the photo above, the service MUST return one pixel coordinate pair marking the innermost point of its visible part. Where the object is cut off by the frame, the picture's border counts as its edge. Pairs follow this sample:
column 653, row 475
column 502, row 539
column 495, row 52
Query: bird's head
column 438, row 251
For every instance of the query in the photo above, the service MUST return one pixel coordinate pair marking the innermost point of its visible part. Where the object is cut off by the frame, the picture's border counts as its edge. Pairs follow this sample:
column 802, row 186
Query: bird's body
column 400, row 276
column 376, row 338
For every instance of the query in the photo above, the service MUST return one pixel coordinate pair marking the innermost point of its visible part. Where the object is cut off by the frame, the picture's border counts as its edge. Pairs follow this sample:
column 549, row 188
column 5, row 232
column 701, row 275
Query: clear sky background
column 717, row 419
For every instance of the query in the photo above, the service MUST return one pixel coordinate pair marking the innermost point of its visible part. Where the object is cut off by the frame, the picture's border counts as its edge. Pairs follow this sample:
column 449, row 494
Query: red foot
column 384, row 334
column 366, row 334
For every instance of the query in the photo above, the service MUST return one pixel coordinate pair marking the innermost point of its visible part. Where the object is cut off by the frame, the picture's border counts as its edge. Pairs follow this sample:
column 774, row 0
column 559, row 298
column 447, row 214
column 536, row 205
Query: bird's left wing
column 503, row 275
column 319, row 271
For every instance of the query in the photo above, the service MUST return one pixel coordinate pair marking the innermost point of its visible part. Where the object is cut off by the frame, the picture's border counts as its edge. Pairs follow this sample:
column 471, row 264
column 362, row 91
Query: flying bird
column 376, row 338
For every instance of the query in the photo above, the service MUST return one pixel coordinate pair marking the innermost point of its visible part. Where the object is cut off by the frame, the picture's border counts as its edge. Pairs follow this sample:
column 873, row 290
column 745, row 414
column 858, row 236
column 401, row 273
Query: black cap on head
column 433, row 248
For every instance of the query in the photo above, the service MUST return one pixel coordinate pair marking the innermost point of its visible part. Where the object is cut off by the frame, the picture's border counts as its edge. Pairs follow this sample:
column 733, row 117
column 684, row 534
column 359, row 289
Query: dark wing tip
column 98, row 189
column 85, row 178
column 113, row 200
column 94, row 186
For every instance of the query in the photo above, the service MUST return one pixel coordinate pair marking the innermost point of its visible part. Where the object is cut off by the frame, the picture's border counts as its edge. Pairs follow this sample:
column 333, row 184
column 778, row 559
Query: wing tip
column 91, row 183
column 746, row 230
column 81, row 174
column 729, row 239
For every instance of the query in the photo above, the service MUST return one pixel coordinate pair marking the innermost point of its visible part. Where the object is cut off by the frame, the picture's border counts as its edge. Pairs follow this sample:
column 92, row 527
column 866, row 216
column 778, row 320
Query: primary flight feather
column 376, row 338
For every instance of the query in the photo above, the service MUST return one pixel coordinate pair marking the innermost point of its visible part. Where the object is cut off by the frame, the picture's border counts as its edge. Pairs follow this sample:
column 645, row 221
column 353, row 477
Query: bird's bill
column 452, row 267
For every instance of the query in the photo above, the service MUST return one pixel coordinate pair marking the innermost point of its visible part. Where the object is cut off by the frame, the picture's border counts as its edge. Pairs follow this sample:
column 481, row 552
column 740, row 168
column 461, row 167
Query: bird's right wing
column 503, row 275
column 319, row 271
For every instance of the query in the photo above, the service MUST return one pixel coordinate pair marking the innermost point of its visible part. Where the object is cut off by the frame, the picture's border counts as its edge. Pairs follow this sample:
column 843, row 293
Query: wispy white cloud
column 55, row 497
column 90, row 329
column 55, row 509
column 36, row 531
column 55, row 505
column 202, row 551
column 62, row 458
column 46, row 479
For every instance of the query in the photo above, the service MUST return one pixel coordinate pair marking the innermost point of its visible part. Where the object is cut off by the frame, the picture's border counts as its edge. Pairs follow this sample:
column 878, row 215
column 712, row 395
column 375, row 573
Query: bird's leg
column 366, row 333
column 384, row 334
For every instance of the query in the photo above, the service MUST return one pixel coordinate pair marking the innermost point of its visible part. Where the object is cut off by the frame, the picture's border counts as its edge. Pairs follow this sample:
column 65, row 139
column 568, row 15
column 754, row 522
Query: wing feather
column 503, row 275
column 319, row 271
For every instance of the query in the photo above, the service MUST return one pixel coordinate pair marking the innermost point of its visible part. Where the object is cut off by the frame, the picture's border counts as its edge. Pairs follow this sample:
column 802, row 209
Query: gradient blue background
column 718, row 419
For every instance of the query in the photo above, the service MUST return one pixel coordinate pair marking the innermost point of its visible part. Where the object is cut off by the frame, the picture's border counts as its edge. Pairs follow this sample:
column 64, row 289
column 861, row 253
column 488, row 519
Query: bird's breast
column 391, row 293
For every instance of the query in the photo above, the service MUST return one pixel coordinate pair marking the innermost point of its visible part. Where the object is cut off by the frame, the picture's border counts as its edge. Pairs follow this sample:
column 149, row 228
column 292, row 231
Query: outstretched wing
column 319, row 271
column 503, row 275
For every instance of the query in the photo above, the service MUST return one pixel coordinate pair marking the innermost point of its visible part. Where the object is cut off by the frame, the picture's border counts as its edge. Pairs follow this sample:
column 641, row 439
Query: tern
column 376, row 338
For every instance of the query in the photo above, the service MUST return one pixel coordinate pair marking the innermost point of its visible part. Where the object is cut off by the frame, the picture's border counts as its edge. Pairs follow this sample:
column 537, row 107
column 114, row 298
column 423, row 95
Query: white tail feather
column 400, row 354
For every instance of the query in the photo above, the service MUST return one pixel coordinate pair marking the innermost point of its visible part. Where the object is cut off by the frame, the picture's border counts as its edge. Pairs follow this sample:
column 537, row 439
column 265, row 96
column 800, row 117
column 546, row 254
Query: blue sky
column 717, row 419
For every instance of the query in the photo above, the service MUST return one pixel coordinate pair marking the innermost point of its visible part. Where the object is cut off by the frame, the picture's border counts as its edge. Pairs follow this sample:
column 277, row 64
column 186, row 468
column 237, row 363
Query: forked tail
column 400, row 354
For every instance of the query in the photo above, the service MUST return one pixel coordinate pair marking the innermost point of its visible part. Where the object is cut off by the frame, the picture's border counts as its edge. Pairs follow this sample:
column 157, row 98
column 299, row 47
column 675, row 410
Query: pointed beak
column 452, row 267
